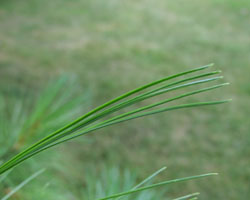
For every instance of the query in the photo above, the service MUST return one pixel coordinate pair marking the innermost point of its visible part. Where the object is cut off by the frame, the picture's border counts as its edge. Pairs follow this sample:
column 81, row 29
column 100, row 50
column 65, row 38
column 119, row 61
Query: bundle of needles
column 101, row 117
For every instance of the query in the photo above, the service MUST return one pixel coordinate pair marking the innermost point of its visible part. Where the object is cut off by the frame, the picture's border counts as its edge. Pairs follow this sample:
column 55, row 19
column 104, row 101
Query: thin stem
column 158, row 185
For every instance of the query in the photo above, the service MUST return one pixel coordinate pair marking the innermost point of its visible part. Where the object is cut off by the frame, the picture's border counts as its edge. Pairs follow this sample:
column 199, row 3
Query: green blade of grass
column 139, row 98
column 31, row 148
column 35, row 148
column 171, row 89
column 153, row 92
column 167, row 100
column 110, row 122
column 158, row 185
column 147, row 107
column 147, row 179
column 176, row 83
column 104, row 124
column 150, row 177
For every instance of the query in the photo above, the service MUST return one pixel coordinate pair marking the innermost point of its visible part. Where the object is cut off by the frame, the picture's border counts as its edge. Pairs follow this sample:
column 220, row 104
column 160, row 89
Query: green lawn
column 112, row 46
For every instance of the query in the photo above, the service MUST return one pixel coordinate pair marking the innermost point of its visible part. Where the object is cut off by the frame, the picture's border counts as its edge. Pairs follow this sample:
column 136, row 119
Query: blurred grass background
column 113, row 46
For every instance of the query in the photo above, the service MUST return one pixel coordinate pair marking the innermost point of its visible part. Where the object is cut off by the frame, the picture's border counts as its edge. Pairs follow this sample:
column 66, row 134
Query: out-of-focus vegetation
column 111, row 45
column 25, row 119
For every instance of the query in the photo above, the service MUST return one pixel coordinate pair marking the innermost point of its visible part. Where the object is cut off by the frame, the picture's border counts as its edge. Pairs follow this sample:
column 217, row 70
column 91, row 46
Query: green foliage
column 21, row 185
column 27, row 120
column 109, row 183
column 86, row 123
column 91, row 121
column 120, row 44
column 112, row 180
column 157, row 185
column 29, row 117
